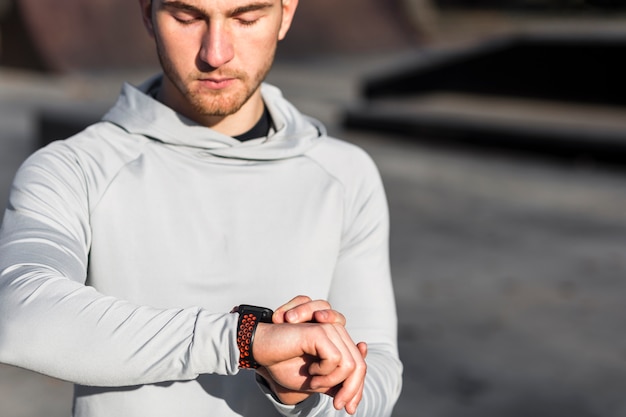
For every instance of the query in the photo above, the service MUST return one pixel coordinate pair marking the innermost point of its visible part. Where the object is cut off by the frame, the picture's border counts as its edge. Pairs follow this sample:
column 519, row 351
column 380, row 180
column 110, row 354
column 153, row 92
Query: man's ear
column 146, row 15
column 289, row 9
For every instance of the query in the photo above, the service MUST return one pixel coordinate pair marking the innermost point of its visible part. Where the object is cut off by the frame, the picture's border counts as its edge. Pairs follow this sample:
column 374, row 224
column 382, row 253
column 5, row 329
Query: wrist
column 277, row 391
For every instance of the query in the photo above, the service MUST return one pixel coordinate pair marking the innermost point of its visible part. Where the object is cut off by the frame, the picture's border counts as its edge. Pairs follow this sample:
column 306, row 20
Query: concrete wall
column 68, row 35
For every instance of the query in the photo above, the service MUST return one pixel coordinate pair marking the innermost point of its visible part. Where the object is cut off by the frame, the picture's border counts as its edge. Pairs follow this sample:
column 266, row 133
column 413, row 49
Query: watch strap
column 249, row 318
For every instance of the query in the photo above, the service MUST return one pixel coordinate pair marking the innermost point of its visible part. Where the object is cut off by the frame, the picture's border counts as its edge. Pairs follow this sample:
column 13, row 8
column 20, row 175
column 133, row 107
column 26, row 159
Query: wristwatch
column 249, row 317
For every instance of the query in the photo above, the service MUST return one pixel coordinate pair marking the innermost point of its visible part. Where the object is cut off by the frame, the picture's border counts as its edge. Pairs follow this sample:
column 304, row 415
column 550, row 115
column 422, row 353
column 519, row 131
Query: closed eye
column 186, row 18
column 247, row 21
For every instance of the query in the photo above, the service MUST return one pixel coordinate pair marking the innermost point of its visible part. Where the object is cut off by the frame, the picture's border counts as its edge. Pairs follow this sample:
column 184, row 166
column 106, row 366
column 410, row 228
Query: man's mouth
column 215, row 83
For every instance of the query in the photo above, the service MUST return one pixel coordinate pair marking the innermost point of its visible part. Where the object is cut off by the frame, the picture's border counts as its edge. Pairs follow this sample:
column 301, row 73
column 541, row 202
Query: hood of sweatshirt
column 137, row 112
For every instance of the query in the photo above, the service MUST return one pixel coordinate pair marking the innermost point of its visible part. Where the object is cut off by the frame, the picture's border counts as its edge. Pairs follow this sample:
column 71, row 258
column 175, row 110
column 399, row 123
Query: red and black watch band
column 249, row 318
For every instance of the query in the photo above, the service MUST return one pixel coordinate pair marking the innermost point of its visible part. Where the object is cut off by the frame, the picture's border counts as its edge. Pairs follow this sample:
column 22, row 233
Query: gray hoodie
column 124, row 248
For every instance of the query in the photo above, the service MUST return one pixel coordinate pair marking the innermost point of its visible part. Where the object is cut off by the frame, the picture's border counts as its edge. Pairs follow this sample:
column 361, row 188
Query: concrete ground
column 510, row 272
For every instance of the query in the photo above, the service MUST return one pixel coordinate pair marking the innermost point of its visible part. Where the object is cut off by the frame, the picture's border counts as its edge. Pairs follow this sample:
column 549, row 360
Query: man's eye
column 248, row 22
column 186, row 19
column 248, row 18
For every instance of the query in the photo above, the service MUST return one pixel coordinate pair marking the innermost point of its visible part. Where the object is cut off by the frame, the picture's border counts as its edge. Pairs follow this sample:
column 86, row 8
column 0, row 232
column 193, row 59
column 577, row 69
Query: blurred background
column 499, row 128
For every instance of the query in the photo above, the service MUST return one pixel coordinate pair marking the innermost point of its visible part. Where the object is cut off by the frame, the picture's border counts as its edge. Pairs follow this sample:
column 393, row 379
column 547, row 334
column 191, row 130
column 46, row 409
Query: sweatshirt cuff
column 215, row 348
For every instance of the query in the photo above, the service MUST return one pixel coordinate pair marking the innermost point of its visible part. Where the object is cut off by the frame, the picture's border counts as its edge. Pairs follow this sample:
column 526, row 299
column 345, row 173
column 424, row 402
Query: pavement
column 509, row 270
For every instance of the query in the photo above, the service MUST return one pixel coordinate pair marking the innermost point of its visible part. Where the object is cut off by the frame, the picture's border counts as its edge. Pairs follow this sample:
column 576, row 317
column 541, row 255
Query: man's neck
column 260, row 130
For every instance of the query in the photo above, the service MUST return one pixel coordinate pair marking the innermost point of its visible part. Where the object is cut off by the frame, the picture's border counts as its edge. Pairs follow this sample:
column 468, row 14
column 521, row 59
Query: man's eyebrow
column 252, row 7
column 181, row 5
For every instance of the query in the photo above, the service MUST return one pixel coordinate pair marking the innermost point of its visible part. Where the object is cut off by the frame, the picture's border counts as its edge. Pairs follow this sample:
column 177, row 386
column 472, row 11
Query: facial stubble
column 220, row 103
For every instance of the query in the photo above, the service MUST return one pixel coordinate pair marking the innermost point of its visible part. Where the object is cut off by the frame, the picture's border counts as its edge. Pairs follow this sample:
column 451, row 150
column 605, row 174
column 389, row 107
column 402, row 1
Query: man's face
column 215, row 53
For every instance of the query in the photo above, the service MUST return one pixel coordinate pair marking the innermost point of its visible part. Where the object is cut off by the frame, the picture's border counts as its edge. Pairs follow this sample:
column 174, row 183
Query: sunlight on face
column 215, row 54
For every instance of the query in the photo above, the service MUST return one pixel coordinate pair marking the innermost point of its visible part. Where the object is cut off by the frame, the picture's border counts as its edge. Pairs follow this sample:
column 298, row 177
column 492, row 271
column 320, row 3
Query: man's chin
column 219, row 104
column 217, row 111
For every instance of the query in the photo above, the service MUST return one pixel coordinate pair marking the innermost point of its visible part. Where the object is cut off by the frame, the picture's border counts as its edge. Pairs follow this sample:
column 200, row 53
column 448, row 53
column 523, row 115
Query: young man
column 124, row 248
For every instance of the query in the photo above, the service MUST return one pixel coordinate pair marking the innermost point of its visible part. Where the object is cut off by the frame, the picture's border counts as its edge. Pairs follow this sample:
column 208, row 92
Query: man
column 123, row 249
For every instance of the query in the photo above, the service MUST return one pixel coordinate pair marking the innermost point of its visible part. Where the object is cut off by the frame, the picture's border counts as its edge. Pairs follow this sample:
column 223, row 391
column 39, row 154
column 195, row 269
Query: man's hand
column 302, row 309
column 329, row 362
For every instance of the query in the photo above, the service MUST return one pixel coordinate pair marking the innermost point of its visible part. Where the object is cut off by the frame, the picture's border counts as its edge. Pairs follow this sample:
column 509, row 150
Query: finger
column 350, row 367
column 330, row 359
column 335, row 359
column 329, row 316
column 304, row 313
column 350, row 393
column 362, row 346
column 279, row 313
column 351, row 390
column 353, row 404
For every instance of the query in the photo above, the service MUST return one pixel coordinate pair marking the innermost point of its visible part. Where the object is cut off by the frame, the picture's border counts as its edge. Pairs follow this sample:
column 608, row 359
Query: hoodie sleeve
column 52, row 323
column 362, row 288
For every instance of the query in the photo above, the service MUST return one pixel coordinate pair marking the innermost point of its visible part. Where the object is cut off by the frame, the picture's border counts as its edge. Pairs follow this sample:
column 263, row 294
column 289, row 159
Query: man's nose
column 217, row 46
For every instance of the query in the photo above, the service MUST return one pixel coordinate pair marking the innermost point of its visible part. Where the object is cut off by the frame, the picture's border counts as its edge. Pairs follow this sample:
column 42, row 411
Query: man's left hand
column 303, row 309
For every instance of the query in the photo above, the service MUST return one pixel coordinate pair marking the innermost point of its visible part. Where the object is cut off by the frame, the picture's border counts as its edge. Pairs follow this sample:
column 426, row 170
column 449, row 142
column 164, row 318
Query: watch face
column 263, row 314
